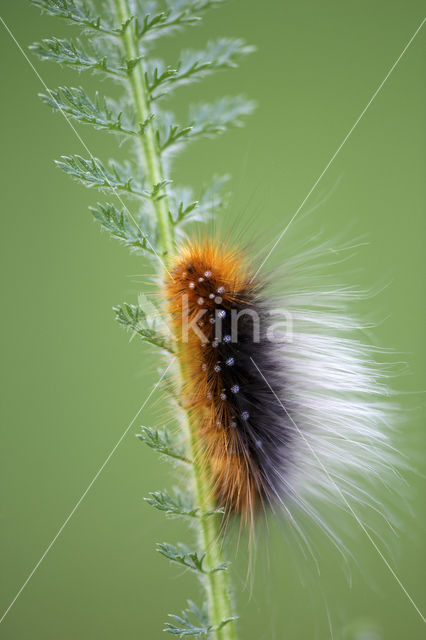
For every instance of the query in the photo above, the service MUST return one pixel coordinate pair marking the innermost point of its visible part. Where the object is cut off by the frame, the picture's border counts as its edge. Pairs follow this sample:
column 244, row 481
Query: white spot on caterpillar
column 200, row 301
column 207, row 274
column 217, row 368
column 230, row 362
column 227, row 338
column 235, row 388
column 245, row 415
column 221, row 313
column 191, row 285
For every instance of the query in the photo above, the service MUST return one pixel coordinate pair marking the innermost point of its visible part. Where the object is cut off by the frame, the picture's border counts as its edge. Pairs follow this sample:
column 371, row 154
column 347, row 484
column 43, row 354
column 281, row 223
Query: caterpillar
column 273, row 407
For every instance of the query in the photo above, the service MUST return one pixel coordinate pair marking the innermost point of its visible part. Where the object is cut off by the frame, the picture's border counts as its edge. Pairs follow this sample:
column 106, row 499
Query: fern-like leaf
column 179, row 503
column 177, row 14
column 138, row 235
column 185, row 209
column 81, row 57
column 134, row 319
column 193, row 65
column 93, row 173
column 194, row 560
column 102, row 113
column 215, row 117
column 162, row 441
column 183, row 627
column 182, row 555
column 205, row 121
column 82, row 14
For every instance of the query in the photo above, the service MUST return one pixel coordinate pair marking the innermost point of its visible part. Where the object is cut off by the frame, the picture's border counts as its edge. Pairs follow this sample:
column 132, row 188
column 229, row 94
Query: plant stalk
column 149, row 147
column 217, row 584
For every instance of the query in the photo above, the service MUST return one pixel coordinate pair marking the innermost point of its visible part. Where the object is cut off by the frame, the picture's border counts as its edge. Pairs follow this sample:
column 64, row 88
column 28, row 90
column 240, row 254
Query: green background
column 72, row 381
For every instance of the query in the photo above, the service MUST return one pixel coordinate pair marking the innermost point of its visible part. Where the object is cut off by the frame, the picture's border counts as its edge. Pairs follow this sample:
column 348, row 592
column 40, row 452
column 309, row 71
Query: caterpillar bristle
column 241, row 422
column 271, row 410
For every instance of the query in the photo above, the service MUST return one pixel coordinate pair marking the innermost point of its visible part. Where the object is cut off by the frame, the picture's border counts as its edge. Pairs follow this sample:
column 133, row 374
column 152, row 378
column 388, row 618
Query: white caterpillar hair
column 337, row 400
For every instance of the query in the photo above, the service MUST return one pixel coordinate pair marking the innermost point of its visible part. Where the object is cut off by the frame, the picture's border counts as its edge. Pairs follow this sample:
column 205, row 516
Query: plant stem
column 148, row 142
column 216, row 584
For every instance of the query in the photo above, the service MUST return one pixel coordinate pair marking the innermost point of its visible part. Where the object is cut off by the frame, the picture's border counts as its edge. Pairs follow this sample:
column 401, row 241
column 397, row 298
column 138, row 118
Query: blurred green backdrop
column 72, row 381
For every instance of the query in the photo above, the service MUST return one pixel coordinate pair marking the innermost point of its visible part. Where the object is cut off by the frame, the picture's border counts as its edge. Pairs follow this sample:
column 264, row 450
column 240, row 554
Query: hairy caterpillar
column 271, row 410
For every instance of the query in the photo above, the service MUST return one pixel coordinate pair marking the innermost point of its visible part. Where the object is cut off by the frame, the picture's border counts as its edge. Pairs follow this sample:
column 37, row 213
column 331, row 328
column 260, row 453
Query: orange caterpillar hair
column 215, row 307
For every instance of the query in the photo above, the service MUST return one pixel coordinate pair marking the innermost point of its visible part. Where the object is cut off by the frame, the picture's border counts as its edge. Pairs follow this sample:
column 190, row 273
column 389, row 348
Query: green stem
column 149, row 147
column 216, row 584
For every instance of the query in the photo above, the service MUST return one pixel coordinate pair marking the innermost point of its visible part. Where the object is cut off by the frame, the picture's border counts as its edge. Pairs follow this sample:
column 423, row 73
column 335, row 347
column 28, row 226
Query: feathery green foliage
column 115, row 41
column 79, row 13
column 194, row 560
column 93, row 173
column 162, row 441
column 122, row 226
column 192, row 66
column 134, row 319
column 179, row 503
column 103, row 113
column 186, row 628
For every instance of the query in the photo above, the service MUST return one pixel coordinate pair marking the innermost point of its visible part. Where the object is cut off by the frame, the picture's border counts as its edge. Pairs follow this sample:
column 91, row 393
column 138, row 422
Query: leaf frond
column 181, row 554
column 102, row 113
column 79, row 13
column 215, row 117
column 194, row 560
column 152, row 23
column 162, row 441
column 183, row 627
column 186, row 210
column 193, row 65
column 133, row 318
column 92, row 172
column 179, row 503
column 205, row 121
column 75, row 54
column 137, row 235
